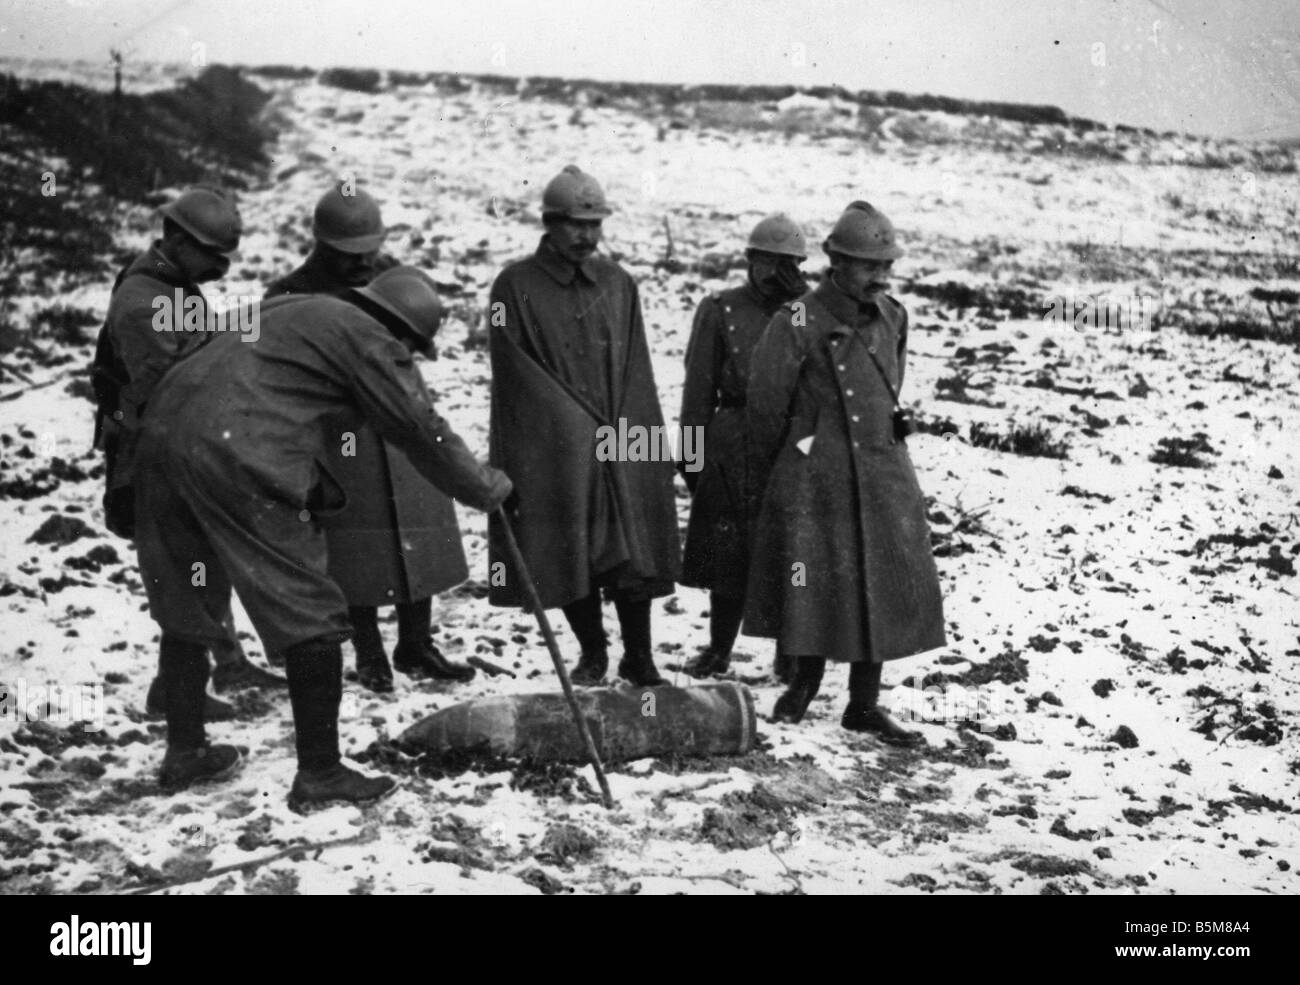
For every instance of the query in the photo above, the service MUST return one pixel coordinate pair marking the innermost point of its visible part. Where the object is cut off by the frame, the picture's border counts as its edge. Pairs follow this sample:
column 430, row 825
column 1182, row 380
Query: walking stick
column 592, row 756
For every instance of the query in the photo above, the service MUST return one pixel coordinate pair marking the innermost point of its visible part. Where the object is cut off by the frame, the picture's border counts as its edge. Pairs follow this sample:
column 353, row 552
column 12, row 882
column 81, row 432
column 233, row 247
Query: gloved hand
column 511, row 504
column 500, row 488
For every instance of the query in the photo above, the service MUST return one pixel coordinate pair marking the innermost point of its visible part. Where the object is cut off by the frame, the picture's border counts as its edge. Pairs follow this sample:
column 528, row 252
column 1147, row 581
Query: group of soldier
column 309, row 472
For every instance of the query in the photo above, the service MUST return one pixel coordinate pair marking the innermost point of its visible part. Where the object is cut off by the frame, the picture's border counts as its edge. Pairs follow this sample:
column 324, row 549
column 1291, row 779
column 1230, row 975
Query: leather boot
column 585, row 620
column 793, row 704
column 591, row 668
column 315, row 689
column 864, row 713
column 725, row 613
column 423, row 659
column 373, row 671
column 182, row 768
column 707, row 663
column 638, row 667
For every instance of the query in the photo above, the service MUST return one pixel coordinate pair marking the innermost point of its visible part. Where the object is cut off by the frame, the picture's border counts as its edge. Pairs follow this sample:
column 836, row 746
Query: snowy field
column 1129, row 624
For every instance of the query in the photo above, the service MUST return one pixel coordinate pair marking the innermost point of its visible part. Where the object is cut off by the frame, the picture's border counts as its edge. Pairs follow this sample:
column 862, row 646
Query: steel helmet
column 349, row 222
column 779, row 234
column 574, row 194
column 863, row 232
column 410, row 295
column 209, row 216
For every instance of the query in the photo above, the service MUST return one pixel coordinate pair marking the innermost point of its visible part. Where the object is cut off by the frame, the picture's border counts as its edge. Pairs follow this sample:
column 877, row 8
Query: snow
column 1120, row 582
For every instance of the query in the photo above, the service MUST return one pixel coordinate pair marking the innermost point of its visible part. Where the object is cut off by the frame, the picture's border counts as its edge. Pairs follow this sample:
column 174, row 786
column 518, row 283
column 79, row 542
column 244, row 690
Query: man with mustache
column 842, row 563
column 727, row 327
column 397, row 541
column 569, row 357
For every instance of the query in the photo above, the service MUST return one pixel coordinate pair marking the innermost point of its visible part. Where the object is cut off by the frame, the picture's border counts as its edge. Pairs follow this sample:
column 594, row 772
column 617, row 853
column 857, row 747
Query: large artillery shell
column 626, row 723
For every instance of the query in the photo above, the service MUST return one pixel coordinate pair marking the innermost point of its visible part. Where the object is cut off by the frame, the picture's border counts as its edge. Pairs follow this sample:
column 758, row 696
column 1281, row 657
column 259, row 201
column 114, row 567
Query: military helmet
column 410, row 295
column 863, row 232
column 574, row 194
column 779, row 234
column 348, row 220
column 208, row 215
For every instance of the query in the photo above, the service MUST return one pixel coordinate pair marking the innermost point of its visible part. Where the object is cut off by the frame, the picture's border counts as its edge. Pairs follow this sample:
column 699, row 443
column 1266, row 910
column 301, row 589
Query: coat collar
column 847, row 310
column 849, row 314
column 157, row 264
column 560, row 269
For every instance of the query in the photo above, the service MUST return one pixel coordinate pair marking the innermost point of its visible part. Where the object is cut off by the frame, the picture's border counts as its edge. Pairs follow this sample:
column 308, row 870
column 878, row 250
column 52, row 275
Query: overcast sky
column 1226, row 67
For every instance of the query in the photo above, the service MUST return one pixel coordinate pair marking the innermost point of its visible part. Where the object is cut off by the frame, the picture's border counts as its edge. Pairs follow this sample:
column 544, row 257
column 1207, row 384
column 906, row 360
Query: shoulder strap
column 893, row 394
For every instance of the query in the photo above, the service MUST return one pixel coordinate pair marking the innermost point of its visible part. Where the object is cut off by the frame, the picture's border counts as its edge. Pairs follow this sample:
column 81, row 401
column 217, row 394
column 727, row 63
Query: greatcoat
column 842, row 566
column 233, row 480
column 727, row 327
column 570, row 358
column 397, row 540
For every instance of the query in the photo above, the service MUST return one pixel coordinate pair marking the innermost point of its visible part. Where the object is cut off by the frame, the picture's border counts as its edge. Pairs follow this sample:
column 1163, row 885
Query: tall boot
column 155, row 702
column 416, row 654
column 183, row 667
column 864, row 713
column 585, row 620
column 725, row 613
column 315, row 671
column 373, row 671
column 637, row 665
column 793, row 704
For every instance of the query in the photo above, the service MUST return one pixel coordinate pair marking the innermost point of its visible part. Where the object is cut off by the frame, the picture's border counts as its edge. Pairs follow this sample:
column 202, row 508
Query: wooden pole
column 540, row 611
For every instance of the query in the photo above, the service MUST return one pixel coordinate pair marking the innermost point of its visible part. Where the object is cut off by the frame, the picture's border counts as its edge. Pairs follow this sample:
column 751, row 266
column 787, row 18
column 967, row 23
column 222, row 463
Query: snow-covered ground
column 1131, row 626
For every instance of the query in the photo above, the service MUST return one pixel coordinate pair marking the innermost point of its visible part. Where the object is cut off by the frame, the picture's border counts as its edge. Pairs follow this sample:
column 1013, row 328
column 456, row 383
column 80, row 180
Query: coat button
column 731, row 328
column 304, row 515
column 857, row 444
column 390, row 593
column 871, row 349
column 856, row 418
column 118, row 415
column 840, row 367
column 848, row 393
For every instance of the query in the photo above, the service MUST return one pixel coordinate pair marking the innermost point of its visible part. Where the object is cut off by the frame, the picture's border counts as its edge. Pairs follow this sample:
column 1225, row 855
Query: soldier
column 200, row 228
column 569, row 358
column 397, row 542
column 233, row 489
column 842, row 565
column 727, row 327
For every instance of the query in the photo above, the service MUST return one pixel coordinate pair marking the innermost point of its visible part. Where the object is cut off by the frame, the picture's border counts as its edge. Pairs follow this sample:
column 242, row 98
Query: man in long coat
column 570, row 364
column 154, row 296
column 397, row 542
column 727, row 327
column 233, row 485
column 842, row 563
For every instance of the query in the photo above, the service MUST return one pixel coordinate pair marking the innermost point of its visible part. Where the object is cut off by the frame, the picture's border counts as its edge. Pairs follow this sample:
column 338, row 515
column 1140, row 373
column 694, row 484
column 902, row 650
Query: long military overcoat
column 842, row 566
column 569, row 357
column 397, row 540
column 727, row 327
column 140, row 328
column 234, row 450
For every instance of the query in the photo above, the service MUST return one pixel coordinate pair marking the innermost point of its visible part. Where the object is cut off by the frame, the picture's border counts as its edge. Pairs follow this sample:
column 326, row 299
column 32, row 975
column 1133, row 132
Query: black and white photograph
column 680, row 447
